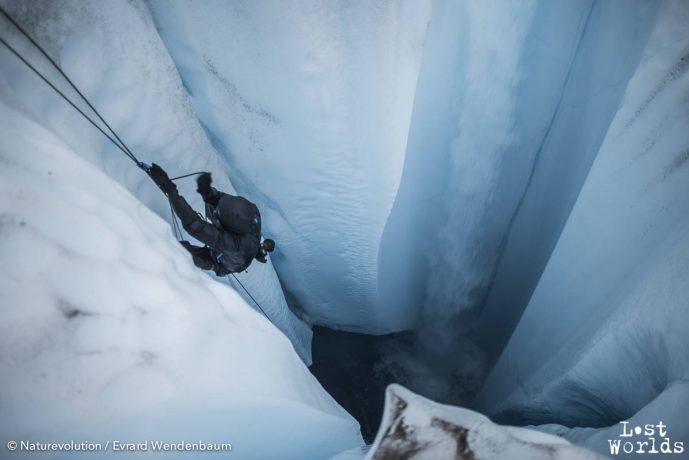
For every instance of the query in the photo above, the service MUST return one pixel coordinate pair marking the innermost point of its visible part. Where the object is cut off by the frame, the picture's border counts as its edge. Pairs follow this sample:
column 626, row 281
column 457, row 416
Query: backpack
column 238, row 215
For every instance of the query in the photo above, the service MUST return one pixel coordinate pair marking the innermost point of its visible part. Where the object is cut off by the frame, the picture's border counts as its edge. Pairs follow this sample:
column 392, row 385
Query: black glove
column 221, row 271
column 203, row 183
column 161, row 179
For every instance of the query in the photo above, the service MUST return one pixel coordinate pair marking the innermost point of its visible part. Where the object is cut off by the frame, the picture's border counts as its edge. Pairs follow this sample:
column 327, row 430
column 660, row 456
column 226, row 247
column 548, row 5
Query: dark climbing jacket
column 233, row 235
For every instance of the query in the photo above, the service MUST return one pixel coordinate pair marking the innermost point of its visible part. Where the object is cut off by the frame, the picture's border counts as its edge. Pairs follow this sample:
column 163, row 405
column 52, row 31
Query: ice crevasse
column 514, row 174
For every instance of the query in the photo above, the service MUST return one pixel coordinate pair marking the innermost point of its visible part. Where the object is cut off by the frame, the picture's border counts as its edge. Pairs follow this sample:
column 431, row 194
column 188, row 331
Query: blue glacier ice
column 507, row 181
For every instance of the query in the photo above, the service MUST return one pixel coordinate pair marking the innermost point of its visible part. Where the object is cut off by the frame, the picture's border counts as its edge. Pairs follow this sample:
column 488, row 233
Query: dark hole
column 345, row 364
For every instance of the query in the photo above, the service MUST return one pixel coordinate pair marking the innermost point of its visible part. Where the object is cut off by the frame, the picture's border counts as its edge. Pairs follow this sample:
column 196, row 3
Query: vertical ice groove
column 535, row 161
column 450, row 247
column 600, row 337
column 484, row 114
column 584, row 112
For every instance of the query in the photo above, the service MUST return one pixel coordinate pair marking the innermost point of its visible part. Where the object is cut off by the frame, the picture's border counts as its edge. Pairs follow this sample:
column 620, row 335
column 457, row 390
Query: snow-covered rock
column 108, row 331
column 417, row 428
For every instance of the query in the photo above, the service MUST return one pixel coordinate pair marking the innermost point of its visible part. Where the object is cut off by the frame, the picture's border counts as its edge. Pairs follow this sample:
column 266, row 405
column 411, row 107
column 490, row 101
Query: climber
column 232, row 239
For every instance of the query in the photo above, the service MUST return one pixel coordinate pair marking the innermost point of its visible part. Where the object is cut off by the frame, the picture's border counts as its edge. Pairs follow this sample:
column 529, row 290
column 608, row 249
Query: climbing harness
column 112, row 137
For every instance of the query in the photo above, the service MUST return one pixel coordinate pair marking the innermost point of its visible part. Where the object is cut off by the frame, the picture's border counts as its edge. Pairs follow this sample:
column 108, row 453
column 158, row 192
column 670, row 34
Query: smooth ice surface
column 112, row 52
column 111, row 331
column 309, row 103
column 603, row 339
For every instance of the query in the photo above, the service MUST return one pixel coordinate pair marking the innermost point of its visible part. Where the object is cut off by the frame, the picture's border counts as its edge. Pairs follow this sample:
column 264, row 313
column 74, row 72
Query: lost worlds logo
column 645, row 439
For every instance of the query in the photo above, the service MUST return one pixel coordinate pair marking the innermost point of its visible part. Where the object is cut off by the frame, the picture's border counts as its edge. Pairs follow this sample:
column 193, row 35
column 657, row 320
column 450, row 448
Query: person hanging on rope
column 232, row 238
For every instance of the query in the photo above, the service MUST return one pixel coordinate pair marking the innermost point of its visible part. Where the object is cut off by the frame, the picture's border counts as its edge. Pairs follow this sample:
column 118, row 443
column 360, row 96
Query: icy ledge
column 108, row 332
column 417, row 428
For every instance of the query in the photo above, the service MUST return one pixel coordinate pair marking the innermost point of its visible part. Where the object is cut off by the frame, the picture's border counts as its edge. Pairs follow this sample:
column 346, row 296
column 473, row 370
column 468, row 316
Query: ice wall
column 603, row 337
column 114, row 55
column 480, row 139
column 309, row 103
column 512, row 104
column 596, row 47
column 109, row 332
column 436, row 239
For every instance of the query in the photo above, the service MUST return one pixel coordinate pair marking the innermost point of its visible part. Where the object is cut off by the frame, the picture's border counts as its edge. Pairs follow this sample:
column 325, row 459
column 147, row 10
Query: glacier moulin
column 503, row 183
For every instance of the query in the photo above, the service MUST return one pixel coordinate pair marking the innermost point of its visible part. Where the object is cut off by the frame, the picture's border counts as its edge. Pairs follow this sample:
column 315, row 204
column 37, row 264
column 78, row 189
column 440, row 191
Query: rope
column 252, row 297
column 187, row 175
column 67, row 99
column 175, row 224
column 123, row 146
column 115, row 139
